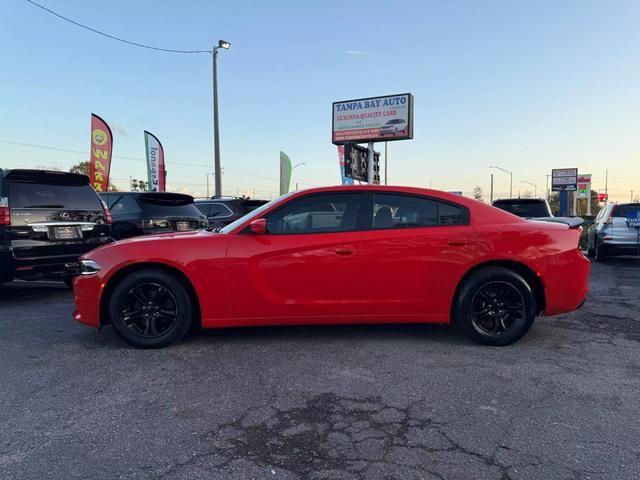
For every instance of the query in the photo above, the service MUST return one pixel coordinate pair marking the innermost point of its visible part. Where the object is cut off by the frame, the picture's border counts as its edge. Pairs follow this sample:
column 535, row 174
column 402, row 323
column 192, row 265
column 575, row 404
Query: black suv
column 525, row 207
column 47, row 220
column 144, row 213
column 223, row 211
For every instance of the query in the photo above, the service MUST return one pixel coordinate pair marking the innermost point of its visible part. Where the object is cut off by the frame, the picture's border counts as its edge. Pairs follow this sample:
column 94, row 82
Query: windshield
column 254, row 214
column 45, row 195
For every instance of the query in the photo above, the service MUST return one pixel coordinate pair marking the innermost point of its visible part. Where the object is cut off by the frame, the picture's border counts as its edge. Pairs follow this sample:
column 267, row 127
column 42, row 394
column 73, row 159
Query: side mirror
column 259, row 226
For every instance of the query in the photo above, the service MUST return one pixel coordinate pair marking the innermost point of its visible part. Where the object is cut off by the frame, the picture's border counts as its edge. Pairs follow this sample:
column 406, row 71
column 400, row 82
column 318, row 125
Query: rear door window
column 41, row 195
column 392, row 210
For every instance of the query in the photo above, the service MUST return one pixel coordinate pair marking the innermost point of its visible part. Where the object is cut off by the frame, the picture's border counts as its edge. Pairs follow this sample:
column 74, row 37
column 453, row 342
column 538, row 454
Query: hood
column 192, row 234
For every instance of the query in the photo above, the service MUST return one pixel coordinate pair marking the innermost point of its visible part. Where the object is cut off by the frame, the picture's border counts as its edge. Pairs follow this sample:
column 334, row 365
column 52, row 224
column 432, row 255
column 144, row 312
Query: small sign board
column 633, row 219
column 584, row 185
column 356, row 163
column 603, row 197
column 564, row 179
column 373, row 119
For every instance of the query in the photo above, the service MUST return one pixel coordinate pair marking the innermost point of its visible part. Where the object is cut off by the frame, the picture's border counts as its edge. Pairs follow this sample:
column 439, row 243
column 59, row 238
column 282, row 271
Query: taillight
column 5, row 214
column 107, row 213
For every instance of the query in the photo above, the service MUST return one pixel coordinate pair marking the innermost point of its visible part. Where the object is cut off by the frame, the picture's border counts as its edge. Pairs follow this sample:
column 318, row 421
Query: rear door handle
column 343, row 250
column 457, row 242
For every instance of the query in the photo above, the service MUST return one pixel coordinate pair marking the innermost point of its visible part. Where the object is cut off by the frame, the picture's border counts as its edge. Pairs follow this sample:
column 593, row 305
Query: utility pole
column 370, row 164
column 216, row 129
column 491, row 195
column 547, row 185
column 386, row 162
column 207, row 185
column 606, row 185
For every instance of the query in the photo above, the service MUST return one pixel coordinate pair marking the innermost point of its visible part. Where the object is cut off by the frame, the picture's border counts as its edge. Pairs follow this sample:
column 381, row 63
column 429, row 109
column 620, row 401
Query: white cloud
column 356, row 52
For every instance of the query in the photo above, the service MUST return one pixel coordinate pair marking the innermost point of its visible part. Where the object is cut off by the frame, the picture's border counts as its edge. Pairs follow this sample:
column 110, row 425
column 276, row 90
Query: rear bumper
column 566, row 282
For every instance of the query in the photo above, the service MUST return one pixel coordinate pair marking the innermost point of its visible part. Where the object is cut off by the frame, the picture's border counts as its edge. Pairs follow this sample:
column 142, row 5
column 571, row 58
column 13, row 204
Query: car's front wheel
column 150, row 309
column 495, row 306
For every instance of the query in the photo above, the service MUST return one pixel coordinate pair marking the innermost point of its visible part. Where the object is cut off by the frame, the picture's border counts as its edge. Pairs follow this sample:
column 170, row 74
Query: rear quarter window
column 167, row 207
column 42, row 195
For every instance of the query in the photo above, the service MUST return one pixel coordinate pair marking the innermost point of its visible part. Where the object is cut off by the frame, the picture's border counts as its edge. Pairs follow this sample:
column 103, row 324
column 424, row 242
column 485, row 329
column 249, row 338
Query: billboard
column 155, row 163
column 584, row 185
column 564, row 179
column 373, row 119
column 100, row 154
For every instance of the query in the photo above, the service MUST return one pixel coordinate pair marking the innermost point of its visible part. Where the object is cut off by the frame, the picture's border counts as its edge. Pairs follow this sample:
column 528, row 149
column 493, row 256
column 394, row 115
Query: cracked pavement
column 323, row 403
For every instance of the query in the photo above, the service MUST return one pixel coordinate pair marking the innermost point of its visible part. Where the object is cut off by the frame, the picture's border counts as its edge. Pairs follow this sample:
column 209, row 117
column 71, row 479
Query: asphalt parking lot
column 384, row 402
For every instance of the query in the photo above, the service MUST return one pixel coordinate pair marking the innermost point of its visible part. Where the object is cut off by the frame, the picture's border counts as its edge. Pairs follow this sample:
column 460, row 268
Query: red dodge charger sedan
column 366, row 254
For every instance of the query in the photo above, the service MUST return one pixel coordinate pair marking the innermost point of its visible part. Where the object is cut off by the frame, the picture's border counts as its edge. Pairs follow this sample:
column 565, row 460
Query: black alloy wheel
column 495, row 306
column 150, row 309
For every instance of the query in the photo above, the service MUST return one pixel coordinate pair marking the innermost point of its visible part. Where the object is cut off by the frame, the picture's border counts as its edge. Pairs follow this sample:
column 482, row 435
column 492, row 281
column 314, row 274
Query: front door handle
column 457, row 242
column 343, row 250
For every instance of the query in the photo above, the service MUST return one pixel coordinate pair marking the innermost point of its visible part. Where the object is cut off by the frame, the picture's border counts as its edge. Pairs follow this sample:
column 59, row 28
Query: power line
column 141, row 45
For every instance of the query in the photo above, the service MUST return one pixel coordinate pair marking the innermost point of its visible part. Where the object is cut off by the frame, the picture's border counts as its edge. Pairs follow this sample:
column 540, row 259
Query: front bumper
column 87, row 294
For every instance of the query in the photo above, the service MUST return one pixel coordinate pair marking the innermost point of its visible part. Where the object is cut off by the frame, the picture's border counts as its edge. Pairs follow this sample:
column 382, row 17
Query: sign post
column 564, row 180
column 372, row 119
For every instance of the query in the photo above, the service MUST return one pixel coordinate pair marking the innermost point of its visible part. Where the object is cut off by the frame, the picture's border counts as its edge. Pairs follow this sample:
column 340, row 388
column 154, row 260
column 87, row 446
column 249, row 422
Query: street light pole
column 296, row 166
column 535, row 187
column 216, row 129
column 510, row 179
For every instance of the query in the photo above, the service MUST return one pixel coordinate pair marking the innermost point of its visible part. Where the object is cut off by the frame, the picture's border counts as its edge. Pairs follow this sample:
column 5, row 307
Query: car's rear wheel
column 150, row 309
column 495, row 306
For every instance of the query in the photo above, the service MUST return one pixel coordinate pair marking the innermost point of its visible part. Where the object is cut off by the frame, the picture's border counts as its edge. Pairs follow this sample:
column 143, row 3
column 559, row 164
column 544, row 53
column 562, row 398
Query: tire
column 506, row 300
column 150, row 309
column 598, row 254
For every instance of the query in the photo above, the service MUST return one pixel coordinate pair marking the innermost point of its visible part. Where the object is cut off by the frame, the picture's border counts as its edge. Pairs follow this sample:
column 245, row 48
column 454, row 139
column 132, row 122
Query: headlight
column 89, row 267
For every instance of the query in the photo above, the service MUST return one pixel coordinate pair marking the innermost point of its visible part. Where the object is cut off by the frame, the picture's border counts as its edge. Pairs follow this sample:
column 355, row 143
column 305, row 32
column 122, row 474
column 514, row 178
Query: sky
column 524, row 85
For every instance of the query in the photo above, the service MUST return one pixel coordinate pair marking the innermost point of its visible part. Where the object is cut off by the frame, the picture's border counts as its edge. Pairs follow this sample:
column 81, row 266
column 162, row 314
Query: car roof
column 518, row 200
column 158, row 194
column 45, row 176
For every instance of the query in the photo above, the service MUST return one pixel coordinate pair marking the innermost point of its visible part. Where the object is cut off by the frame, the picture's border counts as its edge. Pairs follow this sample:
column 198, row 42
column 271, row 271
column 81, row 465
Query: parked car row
column 48, row 219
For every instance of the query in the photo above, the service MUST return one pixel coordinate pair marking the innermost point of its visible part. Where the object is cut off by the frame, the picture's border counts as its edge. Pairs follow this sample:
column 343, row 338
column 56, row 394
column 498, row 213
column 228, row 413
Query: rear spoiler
column 571, row 222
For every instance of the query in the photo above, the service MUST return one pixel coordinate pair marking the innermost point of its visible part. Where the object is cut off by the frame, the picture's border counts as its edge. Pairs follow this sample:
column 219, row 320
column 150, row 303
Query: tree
column 477, row 193
column 139, row 185
column 83, row 169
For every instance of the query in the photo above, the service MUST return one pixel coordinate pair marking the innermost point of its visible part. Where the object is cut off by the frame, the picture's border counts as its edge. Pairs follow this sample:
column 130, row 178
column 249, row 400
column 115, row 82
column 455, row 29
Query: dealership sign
column 373, row 119
column 564, row 179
